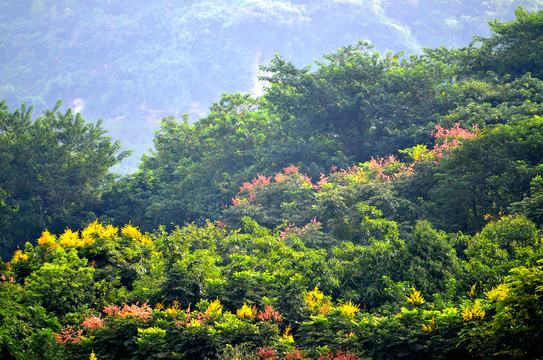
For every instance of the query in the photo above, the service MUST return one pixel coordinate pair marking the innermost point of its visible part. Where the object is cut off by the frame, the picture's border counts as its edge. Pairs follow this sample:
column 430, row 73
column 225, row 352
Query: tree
column 357, row 103
column 52, row 170
column 430, row 263
column 512, row 241
column 484, row 176
column 514, row 48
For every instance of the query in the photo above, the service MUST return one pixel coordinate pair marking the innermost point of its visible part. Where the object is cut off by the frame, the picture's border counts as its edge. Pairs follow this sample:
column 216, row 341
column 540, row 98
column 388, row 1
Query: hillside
column 378, row 205
column 133, row 64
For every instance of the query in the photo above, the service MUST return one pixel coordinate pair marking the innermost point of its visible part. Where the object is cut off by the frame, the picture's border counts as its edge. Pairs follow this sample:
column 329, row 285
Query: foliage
column 314, row 258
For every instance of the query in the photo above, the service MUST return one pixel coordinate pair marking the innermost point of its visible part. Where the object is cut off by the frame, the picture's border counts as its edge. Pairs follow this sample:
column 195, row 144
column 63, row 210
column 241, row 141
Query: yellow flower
column 109, row 231
column 287, row 338
column 313, row 298
column 246, row 311
column 87, row 235
column 48, row 240
column 70, row 239
column 96, row 230
column 430, row 327
column 415, row 298
column 499, row 293
column 287, row 330
column 471, row 291
column 173, row 309
column 131, row 231
column 19, row 255
column 93, row 356
column 134, row 233
column 474, row 311
column 194, row 323
column 349, row 308
column 214, row 307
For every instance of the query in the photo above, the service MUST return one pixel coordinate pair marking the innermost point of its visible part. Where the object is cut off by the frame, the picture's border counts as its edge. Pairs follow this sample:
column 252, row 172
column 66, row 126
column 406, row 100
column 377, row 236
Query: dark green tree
column 486, row 175
column 430, row 262
column 514, row 47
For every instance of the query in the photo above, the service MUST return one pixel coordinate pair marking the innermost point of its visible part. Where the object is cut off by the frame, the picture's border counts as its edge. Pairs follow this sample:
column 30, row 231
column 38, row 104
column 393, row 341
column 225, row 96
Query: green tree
column 514, row 48
column 356, row 104
column 512, row 241
column 430, row 262
column 52, row 170
column 64, row 284
column 194, row 170
column 486, row 175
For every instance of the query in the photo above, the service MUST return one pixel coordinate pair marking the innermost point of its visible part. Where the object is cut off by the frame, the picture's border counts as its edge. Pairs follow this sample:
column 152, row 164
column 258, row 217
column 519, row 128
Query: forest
column 376, row 205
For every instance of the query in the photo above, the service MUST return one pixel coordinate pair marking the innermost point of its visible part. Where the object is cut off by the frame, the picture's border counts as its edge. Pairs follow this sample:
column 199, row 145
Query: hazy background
column 133, row 63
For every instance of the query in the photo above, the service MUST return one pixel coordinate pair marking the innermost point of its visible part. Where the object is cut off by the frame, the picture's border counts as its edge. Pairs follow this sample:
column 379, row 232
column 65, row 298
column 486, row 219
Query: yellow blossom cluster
column 18, row 256
column 313, row 298
column 214, row 307
column 498, row 293
column 349, row 308
column 287, row 337
column 134, row 233
column 96, row 230
column 48, row 240
column 415, row 298
column 173, row 309
column 246, row 311
column 315, row 301
column 474, row 311
column 431, row 326
column 70, row 239
column 89, row 235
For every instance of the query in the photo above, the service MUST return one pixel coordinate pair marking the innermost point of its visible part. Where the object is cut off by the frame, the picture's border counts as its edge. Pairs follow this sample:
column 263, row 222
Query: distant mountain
column 132, row 63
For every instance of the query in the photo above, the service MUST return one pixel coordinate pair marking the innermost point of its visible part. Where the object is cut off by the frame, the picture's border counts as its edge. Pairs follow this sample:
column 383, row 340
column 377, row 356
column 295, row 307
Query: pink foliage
column 456, row 132
column 314, row 224
column 290, row 229
column 93, row 323
column 291, row 170
column 143, row 312
column 68, row 335
column 269, row 314
column 246, row 186
column 279, row 177
column 322, row 181
column 450, row 138
column 266, row 353
column 307, row 180
column 295, row 354
column 111, row 310
column 259, row 180
column 380, row 164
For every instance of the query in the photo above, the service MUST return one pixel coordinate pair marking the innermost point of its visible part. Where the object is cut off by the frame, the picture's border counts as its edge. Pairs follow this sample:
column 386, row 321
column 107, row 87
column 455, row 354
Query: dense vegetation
column 379, row 206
